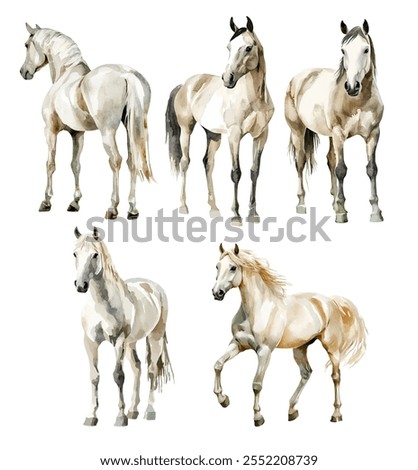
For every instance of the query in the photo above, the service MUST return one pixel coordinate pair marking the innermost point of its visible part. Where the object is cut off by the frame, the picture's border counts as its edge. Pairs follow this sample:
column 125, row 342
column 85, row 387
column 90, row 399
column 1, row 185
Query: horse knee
column 218, row 366
column 371, row 169
column 236, row 174
column 119, row 376
column 184, row 164
column 257, row 386
column 341, row 170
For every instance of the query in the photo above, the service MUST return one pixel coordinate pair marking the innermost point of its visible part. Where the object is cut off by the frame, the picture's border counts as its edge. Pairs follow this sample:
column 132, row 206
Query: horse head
column 358, row 56
column 35, row 57
column 88, row 259
column 229, row 273
column 243, row 53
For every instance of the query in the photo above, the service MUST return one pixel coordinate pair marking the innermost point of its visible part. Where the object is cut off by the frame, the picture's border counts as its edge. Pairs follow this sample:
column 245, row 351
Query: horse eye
column 342, row 51
column 75, row 255
column 233, row 268
column 95, row 255
column 26, row 46
column 366, row 51
column 248, row 48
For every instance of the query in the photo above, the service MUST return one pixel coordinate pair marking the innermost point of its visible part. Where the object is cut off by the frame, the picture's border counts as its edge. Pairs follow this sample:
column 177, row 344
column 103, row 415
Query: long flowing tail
column 164, row 370
column 137, row 105
column 311, row 141
column 353, row 345
column 172, row 129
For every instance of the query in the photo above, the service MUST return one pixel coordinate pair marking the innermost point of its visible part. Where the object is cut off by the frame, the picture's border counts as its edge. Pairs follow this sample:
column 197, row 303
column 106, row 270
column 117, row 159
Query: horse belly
column 208, row 110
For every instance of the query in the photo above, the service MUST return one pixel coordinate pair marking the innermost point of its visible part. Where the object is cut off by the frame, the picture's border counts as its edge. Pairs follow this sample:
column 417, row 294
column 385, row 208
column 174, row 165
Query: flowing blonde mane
column 251, row 265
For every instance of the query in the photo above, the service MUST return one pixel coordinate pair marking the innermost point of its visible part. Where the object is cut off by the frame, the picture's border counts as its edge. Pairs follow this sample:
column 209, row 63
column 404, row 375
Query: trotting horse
column 338, row 105
column 82, row 100
column 268, row 319
column 121, row 312
column 236, row 104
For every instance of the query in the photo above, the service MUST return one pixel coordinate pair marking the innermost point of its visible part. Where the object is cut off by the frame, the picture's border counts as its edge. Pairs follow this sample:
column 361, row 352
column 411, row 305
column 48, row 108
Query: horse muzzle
column 82, row 288
column 229, row 80
column 218, row 294
column 352, row 90
column 26, row 74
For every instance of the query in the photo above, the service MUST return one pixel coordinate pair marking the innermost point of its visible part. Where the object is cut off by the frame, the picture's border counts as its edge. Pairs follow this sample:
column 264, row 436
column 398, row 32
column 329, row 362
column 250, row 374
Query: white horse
column 121, row 312
column 338, row 105
column 82, row 100
column 236, row 104
column 268, row 319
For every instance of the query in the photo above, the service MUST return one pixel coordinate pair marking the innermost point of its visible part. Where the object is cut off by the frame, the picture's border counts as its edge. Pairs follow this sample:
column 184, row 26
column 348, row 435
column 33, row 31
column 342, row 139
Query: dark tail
column 311, row 142
column 172, row 130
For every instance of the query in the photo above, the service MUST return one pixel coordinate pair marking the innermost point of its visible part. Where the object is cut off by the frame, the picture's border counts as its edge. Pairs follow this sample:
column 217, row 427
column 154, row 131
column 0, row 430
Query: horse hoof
column 73, row 207
column 225, row 403
column 341, row 218
column 133, row 414
column 183, row 210
column 111, row 214
column 301, row 210
column 44, row 207
column 150, row 415
column 121, row 421
column 376, row 217
column 253, row 219
column 133, row 215
column 258, row 422
column 214, row 213
column 90, row 421
column 236, row 221
column 293, row 416
column 335, row 419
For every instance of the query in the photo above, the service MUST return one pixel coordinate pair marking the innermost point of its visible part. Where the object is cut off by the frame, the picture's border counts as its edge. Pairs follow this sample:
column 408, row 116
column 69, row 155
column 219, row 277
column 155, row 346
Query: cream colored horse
column 338, row 105
column 82, row 100
column 268, row 319
column 236, row 104
column 121, row 312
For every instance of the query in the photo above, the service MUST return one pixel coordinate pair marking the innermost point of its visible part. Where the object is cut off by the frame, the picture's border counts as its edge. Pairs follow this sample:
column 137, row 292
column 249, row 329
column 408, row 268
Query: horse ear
column 343, row 27
column 250, row 25
column 234, row 27
column 366, row 27
column 236, row 249
column 30, row 30
column 221, row 248
column 77, row 233
column 96, row 234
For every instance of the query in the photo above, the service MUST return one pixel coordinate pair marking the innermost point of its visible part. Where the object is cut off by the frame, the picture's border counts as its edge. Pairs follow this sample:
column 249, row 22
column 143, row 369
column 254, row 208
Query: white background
column 45, row 389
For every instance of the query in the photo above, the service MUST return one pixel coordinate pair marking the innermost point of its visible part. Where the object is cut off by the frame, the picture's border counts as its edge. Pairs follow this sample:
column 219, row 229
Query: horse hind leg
column 334, row 357
column 136, row 369
column 297, row 148
column 300, row 356
column 51, row 139
column 331, row 160
column 213, row 143
column 115, row 161
column 258, row 146
column 78, row 142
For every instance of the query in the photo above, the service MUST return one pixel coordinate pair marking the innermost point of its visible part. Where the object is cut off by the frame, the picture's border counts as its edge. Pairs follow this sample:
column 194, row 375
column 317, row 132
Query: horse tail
column 353, row 344
column 172, row 130
column 137, row 105
column 164, row 371
column 311, row 141
column 311, row 144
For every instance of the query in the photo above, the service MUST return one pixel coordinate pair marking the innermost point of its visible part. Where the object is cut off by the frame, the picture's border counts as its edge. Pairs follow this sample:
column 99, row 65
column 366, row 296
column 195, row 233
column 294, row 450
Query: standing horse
column 268, row 319
column 236, row 104
column 122, row 313
column 338, row 105
column 82, row 100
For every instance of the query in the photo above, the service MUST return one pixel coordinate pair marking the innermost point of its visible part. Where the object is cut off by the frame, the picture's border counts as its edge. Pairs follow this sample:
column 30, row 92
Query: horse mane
column 352, row 34
column 107, row 263
column 253, row 265
column 62, row 52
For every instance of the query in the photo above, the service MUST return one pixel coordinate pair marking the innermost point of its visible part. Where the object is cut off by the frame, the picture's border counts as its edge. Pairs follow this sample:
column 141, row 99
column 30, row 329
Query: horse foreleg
column 51, row 140
column 300, row 356
column 92, row 353
column 136, row 369
column 340, row 173
column 213, row 143
column 232, row 350
column 234, row 141
column 264, row 354
column 258, row 146
column 119, row 378
column 371, row 144
column 331, row 165
column 78, row 142
column 115, row 161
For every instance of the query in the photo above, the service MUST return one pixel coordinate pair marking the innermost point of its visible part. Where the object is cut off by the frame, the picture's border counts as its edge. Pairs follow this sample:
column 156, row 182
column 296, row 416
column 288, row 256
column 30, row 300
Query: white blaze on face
column 356, row 60
column 234, row 47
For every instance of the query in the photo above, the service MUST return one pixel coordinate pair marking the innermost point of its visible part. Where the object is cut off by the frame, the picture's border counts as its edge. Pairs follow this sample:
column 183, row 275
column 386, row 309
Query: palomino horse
column 268, row 319
column 82, row 100
column 338, row 105
column 122, row 313
column 236, row 104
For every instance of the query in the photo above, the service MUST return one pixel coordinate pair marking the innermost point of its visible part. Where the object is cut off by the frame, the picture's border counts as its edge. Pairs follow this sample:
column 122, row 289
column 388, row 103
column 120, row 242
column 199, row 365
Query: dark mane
column 352, row 34
column 238, row 32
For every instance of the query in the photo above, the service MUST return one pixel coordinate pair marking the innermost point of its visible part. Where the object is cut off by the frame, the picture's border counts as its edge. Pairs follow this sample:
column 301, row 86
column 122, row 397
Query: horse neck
column 108, row 287
column 256, row 79
column 254, row 292
column 62, row 54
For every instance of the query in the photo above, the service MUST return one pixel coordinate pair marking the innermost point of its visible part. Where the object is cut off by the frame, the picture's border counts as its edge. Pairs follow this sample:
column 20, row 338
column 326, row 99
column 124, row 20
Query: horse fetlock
column 257, row 386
